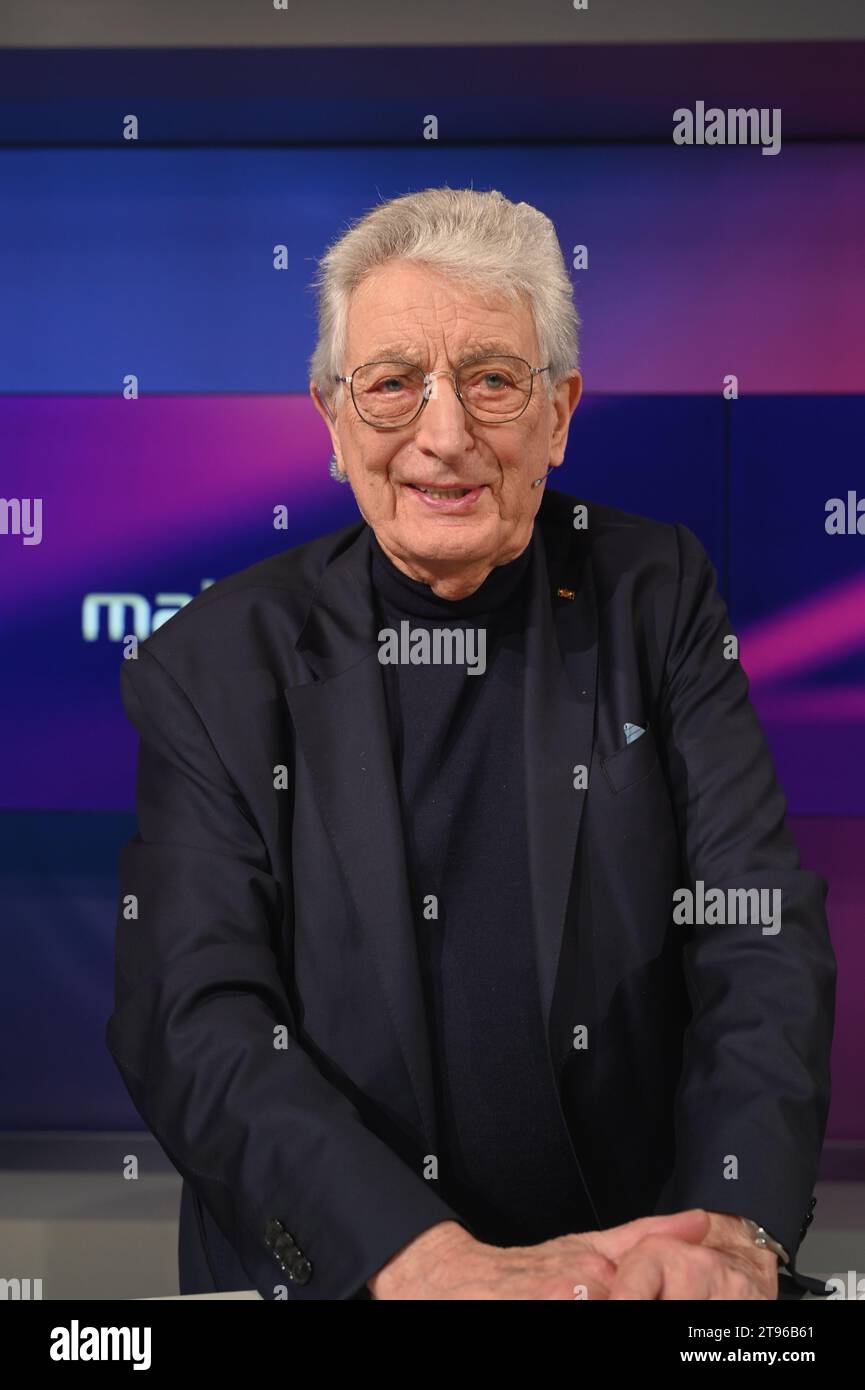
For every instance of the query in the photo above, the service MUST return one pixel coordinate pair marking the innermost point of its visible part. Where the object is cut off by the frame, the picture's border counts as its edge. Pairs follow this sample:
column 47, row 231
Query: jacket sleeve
column 753, row 1097
column 254, row 1127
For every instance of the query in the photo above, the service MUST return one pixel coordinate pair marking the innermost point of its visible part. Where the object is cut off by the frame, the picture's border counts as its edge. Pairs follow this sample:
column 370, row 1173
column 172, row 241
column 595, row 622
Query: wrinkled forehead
column 417, row 313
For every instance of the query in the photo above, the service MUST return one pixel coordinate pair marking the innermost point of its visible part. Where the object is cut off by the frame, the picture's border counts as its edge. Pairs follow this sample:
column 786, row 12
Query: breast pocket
column 631, row 764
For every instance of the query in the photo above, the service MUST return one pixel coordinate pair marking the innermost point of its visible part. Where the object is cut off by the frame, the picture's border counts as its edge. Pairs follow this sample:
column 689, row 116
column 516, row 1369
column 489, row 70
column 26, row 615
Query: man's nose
column 443, row 426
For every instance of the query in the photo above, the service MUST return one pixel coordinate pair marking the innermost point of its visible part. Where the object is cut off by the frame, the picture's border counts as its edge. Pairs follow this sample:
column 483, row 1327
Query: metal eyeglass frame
column 429, row 377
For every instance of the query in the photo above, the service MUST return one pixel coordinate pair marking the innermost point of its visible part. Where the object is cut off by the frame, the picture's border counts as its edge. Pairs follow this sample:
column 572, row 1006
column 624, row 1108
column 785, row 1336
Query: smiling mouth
column 454, row 492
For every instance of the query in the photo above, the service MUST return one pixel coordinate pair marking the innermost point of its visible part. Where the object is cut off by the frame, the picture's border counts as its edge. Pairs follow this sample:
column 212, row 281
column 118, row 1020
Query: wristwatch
column 765, row 1241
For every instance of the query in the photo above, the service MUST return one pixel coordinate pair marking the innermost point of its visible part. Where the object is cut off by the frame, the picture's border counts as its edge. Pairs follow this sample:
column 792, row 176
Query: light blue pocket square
column 632, row 732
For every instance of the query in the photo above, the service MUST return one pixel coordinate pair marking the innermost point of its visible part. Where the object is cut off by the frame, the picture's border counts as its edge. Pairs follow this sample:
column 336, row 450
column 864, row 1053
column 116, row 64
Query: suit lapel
column 340, row 719
column 560, row 689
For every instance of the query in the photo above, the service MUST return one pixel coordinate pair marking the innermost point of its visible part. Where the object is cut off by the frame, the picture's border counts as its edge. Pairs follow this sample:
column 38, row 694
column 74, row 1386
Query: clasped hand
column 694, row 1254
column 698, row 1255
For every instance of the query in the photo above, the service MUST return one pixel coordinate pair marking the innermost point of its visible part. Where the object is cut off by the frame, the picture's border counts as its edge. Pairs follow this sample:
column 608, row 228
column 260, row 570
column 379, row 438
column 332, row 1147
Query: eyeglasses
column 391, row 393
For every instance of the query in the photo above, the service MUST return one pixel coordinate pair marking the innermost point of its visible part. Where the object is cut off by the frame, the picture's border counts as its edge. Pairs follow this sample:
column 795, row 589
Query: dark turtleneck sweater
column 505, row 1164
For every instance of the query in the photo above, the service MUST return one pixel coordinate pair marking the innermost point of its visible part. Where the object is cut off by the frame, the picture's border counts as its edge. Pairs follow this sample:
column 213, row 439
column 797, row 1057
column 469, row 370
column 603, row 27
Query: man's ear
column 323, row 407
column 566, row 398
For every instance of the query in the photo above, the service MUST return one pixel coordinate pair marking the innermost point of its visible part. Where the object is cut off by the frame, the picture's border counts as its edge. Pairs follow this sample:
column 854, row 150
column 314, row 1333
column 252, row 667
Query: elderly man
column 404, row 990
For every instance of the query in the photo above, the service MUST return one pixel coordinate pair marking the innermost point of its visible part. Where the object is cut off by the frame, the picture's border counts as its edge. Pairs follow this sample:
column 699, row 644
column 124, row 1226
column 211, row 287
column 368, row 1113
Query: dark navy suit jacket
column 268, row 1017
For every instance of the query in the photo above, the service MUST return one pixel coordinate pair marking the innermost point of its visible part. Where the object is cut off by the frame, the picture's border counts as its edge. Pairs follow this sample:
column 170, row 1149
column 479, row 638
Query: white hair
column 479, row 238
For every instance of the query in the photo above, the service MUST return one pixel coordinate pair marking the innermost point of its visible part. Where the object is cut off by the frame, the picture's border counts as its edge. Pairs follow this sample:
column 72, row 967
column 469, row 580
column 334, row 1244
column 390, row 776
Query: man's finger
column 691, row 1226
column 661, row 1267
column 640, row 1275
